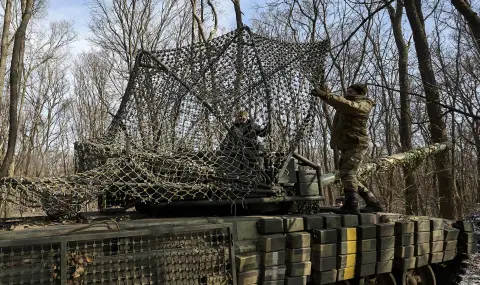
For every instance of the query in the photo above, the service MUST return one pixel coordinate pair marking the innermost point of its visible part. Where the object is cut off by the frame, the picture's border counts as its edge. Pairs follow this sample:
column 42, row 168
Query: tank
column 215, row 205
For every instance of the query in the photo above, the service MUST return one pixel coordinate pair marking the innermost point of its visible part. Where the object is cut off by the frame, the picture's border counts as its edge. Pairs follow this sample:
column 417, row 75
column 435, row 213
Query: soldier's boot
column 351, row 203
column 372, row 202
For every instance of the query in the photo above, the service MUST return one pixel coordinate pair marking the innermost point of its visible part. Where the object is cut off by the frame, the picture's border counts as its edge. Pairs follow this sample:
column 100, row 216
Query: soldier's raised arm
column 356, row 108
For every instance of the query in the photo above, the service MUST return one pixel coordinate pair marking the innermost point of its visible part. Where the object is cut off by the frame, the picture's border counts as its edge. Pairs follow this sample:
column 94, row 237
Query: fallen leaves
column 79, row 262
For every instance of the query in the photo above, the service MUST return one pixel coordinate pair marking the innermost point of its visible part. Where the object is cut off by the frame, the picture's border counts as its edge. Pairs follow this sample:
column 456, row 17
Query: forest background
column 64, row 66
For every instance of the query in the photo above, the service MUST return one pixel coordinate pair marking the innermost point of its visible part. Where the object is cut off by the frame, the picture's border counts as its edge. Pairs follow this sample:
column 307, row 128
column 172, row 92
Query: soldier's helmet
column 242, row 114
column 360, row 88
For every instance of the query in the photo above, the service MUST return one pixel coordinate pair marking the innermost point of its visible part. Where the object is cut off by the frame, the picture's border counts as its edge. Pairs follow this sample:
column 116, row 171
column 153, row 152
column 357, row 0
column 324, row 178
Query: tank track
column 453, row 271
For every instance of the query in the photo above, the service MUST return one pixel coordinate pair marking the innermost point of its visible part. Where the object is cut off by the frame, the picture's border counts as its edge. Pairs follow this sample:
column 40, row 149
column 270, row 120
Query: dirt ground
column 472, row 277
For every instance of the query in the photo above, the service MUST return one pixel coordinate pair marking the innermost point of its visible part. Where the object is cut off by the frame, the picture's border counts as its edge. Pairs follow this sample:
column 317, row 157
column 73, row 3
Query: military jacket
column 245, row 135
column 349, row 129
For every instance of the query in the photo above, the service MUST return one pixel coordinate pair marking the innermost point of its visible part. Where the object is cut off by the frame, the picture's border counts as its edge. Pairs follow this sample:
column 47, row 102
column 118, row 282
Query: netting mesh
column 213, row 121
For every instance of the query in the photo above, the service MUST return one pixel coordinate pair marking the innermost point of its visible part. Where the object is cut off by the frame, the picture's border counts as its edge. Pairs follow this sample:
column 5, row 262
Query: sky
column 78, row 12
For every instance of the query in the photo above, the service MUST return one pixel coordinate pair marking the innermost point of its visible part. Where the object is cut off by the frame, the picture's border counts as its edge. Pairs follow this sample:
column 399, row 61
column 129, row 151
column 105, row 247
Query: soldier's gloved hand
column 317, row 92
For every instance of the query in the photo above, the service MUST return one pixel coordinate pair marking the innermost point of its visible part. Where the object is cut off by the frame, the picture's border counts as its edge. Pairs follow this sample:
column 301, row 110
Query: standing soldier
column 349, row 135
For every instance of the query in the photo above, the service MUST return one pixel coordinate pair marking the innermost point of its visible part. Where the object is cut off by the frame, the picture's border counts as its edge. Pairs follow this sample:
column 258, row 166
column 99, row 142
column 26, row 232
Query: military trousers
column 350, row 161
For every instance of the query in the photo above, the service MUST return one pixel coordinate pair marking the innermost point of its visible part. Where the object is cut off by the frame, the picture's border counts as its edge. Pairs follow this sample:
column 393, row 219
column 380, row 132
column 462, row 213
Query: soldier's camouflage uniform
column 245, row 136
column 241, row 142
column 350, row 136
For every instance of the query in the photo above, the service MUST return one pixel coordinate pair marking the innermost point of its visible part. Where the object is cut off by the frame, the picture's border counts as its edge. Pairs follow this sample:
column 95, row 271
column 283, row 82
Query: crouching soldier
column 245, row 134
column 350, row 136
column 242, row 143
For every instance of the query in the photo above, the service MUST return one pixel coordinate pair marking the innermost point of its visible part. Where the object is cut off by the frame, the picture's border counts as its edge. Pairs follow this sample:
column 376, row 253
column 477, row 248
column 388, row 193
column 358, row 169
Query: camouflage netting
column 409, row 159
column 171, row 138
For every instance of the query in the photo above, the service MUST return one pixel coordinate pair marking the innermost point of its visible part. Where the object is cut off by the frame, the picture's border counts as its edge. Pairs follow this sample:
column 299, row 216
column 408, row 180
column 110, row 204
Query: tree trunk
column 411, row 187
column 15, row 79
column 239, row 68
column 437, row 125
column 471, row 17
column 4, row 46
column 476, row 138
column 238, row 13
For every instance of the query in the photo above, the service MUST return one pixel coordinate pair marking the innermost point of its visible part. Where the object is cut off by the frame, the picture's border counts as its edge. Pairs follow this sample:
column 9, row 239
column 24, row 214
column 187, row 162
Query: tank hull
column 320, row 248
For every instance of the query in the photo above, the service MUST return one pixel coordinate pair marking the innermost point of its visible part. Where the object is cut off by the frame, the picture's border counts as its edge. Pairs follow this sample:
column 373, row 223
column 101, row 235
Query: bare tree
column 43, row 97
column 471, row 17
column 94, row 95
column 457, row 63
column 7, row 18
column 50, row 115
column 435, row 115
column 411, row 191
column 122, row 27
column 15, row 79
column 44, row 119
column 4, row 47
column 200, row 20
column 238, row 13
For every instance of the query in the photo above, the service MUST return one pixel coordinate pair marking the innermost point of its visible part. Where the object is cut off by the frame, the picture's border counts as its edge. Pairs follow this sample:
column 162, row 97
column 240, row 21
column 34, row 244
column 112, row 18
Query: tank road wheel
column 382, row 279
column 450, row 272
column 423, row 275
column 426, row 275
